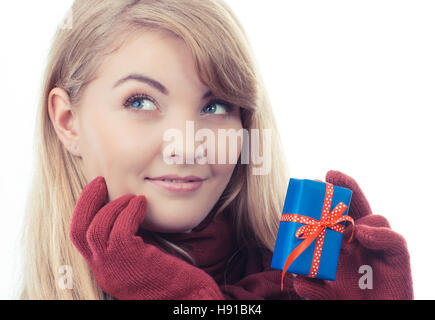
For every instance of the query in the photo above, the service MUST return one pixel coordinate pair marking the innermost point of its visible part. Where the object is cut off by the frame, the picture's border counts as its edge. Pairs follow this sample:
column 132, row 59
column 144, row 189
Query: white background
column 361, row 71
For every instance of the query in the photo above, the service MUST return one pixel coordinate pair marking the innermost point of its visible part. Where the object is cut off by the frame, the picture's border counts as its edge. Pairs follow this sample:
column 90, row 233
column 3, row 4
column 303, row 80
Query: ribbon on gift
column 316, row 229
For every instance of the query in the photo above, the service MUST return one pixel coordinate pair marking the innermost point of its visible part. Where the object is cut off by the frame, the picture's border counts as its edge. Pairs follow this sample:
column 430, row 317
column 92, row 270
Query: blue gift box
column 306, row 197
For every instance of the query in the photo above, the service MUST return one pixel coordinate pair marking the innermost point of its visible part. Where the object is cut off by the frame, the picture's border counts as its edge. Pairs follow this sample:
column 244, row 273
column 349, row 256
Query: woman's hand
column 380, row 252
column 124, row 265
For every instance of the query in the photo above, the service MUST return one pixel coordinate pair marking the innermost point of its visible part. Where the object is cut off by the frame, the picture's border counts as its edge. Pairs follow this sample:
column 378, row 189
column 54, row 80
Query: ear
column 64, row 120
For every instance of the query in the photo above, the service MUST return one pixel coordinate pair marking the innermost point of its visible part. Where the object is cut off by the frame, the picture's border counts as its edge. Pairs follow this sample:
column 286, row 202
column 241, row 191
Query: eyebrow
column 153, row 83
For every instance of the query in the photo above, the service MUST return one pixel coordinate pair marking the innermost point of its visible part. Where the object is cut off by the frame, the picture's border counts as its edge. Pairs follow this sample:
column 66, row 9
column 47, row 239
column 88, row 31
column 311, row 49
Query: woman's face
column 122, row 140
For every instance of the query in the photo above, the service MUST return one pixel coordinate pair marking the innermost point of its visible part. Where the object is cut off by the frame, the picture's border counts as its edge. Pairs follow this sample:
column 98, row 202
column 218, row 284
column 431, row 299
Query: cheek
column 233, row 147
column 117, row 150
column 228, row 147
column 223, row 173
column 103, row 146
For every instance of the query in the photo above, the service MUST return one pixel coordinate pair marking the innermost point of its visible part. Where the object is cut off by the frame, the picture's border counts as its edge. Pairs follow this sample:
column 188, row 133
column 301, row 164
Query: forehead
column 152, row 52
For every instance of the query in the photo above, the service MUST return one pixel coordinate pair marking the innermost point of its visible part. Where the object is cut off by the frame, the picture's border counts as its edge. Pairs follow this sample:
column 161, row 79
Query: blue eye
column 140, row 102
column 217, row 107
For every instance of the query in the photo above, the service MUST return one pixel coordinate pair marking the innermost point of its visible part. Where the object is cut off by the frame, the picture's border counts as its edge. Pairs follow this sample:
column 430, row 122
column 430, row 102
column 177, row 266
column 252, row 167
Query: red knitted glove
column 124, row 265
column 374, row 245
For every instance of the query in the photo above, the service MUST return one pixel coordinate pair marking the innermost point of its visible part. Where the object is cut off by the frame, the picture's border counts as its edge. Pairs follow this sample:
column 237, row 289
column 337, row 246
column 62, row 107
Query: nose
column 179, row 156
column 181, row 146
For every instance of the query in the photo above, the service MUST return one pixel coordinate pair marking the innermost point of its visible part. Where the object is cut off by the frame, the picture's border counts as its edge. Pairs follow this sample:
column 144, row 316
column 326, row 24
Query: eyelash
column 139, row 96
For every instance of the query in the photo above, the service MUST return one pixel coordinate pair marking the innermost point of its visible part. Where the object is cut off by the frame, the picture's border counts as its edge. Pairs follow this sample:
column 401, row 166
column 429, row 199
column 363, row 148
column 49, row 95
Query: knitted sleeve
column 376, row 265
column 261, row 281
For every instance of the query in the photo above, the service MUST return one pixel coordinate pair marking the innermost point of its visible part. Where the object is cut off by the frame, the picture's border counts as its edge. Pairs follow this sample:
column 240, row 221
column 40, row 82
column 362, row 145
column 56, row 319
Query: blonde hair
column 224, row 62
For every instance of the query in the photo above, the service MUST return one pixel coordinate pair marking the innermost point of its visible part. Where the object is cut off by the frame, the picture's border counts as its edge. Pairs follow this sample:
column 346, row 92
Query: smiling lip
column 187, row 184
column 175, row 177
